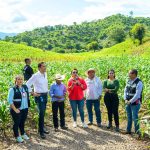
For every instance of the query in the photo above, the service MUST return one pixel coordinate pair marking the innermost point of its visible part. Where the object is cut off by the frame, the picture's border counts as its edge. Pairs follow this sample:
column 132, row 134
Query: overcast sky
column 21, row 15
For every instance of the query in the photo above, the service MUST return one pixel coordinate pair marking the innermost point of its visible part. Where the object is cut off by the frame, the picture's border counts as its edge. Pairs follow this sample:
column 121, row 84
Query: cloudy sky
column 21, row 15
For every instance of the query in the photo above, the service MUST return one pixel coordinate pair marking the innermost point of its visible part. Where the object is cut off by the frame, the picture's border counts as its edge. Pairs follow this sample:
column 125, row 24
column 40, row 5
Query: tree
column 92, row 46
column 117, row 34
column 138, row 32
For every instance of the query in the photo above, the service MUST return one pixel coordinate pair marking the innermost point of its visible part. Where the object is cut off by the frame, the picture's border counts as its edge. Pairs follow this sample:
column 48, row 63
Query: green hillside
column 17, row 52
column 79, row 37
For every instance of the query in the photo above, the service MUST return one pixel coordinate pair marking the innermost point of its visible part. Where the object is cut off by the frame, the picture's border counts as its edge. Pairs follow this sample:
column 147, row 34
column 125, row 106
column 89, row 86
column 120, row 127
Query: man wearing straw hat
column 93, row 95
column 57, row 93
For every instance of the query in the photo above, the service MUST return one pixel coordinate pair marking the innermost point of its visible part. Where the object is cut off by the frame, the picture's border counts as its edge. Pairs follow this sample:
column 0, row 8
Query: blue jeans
column 80, row 104
column 132, row 115
column 89, row 105
column 41, row 104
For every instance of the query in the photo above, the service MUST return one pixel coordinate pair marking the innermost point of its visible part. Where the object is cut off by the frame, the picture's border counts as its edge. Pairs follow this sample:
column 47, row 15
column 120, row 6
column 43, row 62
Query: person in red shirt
column 76, row 86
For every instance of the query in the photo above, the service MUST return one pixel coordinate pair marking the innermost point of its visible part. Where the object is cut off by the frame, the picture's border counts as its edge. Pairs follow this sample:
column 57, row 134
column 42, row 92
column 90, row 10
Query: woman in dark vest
column 18, row 98
column 111, row 86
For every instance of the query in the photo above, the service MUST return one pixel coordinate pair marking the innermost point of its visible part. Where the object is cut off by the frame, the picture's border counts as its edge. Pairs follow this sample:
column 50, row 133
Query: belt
column 42, row 93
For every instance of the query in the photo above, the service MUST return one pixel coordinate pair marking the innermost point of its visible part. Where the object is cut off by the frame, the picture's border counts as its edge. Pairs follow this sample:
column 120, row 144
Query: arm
column 30, row 82
column 105, row 86
column 10, row 100
column 70, row 85
column 51, row 93
column 100, row 87
column 83, row 85
column 65, row 90
column 138, row 92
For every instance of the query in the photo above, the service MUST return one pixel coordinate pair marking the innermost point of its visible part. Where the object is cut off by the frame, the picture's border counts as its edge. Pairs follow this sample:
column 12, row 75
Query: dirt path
column 92, row 138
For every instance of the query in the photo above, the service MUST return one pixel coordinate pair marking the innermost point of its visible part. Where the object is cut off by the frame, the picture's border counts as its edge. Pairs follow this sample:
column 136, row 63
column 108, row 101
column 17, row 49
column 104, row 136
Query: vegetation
column 80, row 37
column 120, row 57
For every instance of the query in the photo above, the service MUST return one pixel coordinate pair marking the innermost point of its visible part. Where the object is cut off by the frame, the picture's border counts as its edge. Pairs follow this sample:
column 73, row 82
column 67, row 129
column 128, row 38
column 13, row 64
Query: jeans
column 112, row 103
column 80, row 104
column 55, row 106
column 19, row 121
column 41, row 104
column 89, row 105
column 132, row 115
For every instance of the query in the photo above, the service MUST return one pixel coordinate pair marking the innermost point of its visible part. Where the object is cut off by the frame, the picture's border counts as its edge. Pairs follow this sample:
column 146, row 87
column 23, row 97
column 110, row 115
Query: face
column 111, row 74
column 42, row 68
column 58, row 81
column 29, row 62
column 74, row 73
column 19, row 81
column 131, row 75
column 91, row 74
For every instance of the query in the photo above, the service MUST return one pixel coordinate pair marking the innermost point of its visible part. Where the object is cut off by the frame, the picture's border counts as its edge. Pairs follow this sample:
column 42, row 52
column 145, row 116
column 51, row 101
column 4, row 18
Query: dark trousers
column 19, row 121
column 55, row 107
column 41, row 104
column 96, row 104
column 112, row 104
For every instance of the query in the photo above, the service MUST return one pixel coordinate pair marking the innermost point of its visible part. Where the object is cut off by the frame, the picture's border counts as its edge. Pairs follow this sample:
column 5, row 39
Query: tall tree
column 138, row 32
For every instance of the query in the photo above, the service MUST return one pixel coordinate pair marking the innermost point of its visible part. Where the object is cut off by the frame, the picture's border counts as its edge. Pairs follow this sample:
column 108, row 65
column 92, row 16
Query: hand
column 126, row 101
column 100, row 97
column 106, row 90
column 35, row 94
column 17, row 111
column 78, row 82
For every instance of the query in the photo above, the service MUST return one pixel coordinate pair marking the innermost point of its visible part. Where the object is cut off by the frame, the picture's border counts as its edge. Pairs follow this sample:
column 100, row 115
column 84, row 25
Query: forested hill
column 78, row 37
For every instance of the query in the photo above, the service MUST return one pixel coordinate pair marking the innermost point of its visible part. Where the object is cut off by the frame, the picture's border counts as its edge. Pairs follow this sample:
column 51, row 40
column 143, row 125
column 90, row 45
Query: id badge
column 23, row 94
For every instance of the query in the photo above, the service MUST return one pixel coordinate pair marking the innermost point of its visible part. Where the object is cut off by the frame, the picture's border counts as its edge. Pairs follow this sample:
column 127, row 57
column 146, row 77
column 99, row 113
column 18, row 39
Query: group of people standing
column 80, row 92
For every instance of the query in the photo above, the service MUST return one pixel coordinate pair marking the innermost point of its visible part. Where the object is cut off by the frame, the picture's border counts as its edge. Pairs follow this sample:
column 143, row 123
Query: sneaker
column 117, row 129
column 90, row 123
column 99, row 125
column 64, row 128
column 25, row 137
column 109, row 125
column 74, row 124
column 42, row 136
column 84, row 125
column 19, row 139
column 56, row 130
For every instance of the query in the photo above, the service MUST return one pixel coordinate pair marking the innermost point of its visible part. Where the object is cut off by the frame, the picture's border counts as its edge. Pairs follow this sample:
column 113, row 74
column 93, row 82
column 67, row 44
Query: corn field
column 121, row 65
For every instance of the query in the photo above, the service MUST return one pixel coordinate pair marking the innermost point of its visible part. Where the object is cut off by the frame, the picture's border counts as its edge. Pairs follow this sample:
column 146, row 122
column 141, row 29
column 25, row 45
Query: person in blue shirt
column 18, row 98
column 133, row 98
column 58, row 93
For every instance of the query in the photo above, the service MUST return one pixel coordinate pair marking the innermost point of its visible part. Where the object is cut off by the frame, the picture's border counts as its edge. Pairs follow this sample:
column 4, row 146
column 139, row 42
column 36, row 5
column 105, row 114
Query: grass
column 17, row 52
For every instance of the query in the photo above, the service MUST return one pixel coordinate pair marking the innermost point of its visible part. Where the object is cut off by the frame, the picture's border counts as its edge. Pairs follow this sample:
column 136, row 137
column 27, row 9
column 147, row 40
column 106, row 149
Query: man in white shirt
column 40, row 84
column 93, row 95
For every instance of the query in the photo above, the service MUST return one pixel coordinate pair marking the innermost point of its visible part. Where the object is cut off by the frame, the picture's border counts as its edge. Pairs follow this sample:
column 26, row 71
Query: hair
column 18, row 76
column 73, row 70
column 26, row 60
column 111, row 70
column 40, row 64
column 134, row 71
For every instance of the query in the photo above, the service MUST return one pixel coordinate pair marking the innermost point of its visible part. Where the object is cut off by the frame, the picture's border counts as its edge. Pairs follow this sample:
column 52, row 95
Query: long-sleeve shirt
column 94, row 88
column 24, row 102
column 137, row 95
column 27, row 72
column 39, row 82
column 113, row 86
column 57, row 90
column 76, row 92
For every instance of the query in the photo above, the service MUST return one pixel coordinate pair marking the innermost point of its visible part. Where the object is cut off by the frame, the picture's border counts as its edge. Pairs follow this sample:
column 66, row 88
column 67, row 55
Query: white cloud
column 16, row 17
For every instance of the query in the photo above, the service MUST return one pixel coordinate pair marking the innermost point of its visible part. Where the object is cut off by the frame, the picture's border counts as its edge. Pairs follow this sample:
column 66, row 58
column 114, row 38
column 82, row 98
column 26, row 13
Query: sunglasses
column 74, row 72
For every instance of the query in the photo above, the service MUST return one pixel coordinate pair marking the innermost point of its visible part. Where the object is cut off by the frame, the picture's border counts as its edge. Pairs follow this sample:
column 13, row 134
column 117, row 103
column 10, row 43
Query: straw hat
column 90, row 69
column 59, row 77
